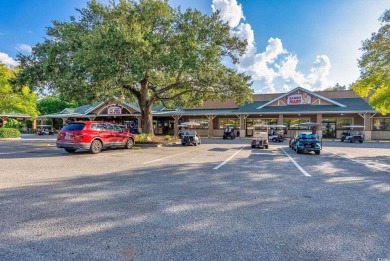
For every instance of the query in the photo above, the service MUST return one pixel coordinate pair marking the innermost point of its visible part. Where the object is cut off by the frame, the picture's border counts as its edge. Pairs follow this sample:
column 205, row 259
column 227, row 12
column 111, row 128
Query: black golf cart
column 228, row 133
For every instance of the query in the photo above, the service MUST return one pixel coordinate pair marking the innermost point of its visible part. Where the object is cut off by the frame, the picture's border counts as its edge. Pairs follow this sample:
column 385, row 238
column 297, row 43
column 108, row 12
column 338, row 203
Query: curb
column 8, row 139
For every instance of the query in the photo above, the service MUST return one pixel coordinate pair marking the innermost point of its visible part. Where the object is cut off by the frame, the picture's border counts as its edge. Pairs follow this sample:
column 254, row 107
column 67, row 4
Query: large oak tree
column 375, row 68
column 143, row 50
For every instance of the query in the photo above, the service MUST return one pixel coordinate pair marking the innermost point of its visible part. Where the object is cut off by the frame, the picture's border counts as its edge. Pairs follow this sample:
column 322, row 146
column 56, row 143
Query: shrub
column 12, row 123
column 144, row 137
column 9, row 133
column 168, row 137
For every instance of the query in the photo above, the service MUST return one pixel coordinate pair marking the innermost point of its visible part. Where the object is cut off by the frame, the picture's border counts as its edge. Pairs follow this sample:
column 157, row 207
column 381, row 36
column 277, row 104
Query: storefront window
column 228, row 121
column 343, row 122
column 204, row 123
column 381, row 124
column 292, row 123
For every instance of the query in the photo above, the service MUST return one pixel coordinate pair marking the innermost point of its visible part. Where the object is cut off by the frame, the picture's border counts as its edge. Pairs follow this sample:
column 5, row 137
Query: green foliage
column 144, row 138
column 54, row 104
column 9, row 133
column 167, row 137
column 144, row 50
column 20, row 100
column 337, row 88
column 12, row 123
column 374, row 66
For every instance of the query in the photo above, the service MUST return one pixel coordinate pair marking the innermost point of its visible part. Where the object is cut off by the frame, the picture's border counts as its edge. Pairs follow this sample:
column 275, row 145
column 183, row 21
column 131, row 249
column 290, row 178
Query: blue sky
column 308, row 43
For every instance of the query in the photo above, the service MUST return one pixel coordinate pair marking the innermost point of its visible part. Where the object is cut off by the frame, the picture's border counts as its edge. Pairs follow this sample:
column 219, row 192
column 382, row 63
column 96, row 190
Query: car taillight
column 78, row 136
column 60, row 136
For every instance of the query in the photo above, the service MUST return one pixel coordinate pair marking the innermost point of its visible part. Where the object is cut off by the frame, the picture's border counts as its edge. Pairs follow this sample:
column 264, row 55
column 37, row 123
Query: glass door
column 329, row 129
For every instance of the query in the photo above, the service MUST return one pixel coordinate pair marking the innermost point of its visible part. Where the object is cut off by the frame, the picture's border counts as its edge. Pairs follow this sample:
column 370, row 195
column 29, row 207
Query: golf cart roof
column 43, row 125
column 354, row 127
column 308, row 124
column 277, row 126
column 261, row 125
column 189, row 123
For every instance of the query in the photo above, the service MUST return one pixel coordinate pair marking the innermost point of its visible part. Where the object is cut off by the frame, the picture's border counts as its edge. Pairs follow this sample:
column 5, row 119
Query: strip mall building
column 332, row 110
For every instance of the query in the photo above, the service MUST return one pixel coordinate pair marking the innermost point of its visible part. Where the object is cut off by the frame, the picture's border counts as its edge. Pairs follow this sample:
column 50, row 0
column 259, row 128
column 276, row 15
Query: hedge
column 9, row 133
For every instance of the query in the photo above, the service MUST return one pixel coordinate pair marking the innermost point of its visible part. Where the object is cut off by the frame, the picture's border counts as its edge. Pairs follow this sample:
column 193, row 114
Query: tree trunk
column 146, row 108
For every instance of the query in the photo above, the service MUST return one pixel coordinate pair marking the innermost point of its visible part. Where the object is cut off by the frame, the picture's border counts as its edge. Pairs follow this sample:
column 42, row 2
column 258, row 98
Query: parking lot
column 221, row 200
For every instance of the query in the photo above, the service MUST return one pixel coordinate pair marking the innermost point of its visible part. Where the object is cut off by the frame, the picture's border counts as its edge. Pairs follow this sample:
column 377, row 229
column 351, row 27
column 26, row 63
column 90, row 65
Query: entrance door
column 329, row 129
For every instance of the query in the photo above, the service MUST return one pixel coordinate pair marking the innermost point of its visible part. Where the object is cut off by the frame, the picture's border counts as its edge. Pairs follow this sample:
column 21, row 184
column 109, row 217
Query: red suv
column 93, row 136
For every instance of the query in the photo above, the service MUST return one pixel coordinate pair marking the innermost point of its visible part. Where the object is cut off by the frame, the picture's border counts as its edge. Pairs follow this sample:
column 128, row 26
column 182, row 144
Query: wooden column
column 211, row 125
column 367, row 126
column 176, row 125
column 280, row 119
column 34, row 124
column 319, row 128
column 139, row 121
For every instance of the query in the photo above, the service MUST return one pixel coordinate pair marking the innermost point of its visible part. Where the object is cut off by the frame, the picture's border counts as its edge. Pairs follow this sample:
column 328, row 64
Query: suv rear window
column 73, row 127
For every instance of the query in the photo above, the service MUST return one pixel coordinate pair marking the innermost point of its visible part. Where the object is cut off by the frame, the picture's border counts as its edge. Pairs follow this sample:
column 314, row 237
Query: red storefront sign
column 298, row 99
column 114, row 110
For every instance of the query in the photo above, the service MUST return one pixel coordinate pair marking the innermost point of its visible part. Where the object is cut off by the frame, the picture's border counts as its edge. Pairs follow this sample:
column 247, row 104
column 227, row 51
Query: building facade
column 332, row 110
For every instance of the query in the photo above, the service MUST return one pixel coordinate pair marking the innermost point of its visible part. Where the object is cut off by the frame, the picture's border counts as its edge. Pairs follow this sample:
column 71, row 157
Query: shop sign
column 298, row 99
column 115, row 110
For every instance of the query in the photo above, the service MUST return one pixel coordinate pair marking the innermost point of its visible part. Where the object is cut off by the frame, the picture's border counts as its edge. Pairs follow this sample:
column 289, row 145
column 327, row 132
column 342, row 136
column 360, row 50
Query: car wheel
column 96, row 147
column 129, row 143
column 70, row 150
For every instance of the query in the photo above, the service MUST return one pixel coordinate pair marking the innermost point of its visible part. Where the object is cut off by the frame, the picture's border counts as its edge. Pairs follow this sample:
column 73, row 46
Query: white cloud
column 8, row 61
column 274, row 69
column 24, row 47
column 231, row 11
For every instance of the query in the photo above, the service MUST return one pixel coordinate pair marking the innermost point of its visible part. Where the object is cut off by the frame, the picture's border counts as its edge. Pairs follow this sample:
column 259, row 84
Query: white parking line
column 365, row 164
column 226, row 161
column 296, row 164
column 171, row 156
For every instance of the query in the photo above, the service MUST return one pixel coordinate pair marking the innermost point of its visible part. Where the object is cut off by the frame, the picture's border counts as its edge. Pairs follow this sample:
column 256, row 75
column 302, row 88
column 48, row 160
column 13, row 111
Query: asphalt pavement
column 221, row 200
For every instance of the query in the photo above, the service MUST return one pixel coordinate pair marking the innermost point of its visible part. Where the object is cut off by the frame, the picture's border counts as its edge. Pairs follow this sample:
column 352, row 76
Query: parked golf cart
column 353, row 133
column 228, row 132
column 44, row 130
column 304, row 141
column 260, row 136
column 189, row 137
column 276, row 133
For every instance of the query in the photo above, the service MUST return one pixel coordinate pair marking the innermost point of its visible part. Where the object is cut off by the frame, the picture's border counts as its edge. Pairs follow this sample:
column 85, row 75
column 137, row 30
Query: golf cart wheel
column 266, row 146
column 317, row 152
column 360, row 141
column 273, row 139
column 183, row 144
column 96, row 147
column 342, row 139
column 253, row 146
column 70, row 150
column 350, row 140
column 298, row 151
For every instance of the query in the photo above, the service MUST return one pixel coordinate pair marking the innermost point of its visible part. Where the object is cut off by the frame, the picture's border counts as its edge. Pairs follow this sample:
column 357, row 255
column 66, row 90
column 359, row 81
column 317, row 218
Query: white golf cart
column 260, row 136
column 44, row 130
column 353, row 133
column 276, row 133
column 188, row 136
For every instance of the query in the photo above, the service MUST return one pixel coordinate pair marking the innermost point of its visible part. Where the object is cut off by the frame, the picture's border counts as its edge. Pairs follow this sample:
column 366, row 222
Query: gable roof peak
column 303, row 90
